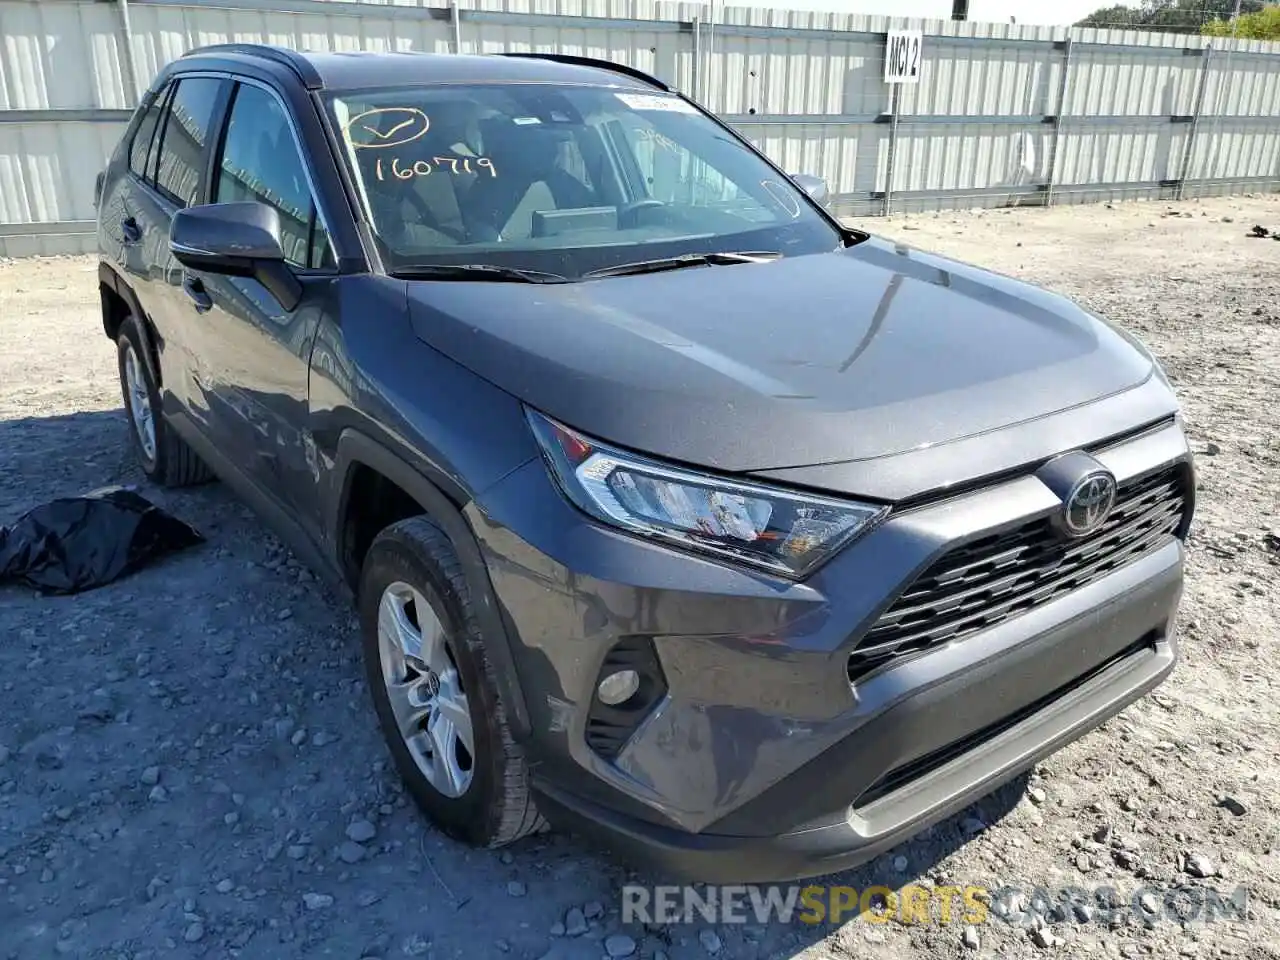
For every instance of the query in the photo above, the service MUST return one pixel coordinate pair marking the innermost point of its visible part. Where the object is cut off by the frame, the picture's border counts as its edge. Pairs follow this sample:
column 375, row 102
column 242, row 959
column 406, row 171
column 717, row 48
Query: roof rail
column 593, row 62
column 292, row 59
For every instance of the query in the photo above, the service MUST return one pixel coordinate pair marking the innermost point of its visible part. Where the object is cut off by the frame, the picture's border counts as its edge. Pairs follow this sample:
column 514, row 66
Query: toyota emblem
column 1089, row 503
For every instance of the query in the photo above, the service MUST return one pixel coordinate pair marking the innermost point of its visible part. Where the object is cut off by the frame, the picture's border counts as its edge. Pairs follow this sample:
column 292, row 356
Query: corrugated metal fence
column 1002, row 115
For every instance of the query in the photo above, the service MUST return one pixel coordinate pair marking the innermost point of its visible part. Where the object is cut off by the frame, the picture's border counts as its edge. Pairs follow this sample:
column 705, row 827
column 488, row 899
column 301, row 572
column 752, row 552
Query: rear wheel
column 164, row 456
column 434, row 689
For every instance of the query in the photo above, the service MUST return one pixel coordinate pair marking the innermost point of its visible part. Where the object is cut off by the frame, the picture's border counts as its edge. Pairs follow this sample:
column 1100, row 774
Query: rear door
column 168, row 160
column 254, row 373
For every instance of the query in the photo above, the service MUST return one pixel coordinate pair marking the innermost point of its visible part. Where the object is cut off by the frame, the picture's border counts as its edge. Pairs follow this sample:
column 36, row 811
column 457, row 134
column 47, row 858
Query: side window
column 140, row 151
column 260, row 162
column 183, row 138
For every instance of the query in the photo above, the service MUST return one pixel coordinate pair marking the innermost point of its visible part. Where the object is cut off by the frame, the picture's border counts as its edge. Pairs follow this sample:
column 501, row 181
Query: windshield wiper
column 684, row 260
column 475, row 271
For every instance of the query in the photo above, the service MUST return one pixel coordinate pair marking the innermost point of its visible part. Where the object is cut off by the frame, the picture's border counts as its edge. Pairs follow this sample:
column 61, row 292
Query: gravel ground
column 189, row 766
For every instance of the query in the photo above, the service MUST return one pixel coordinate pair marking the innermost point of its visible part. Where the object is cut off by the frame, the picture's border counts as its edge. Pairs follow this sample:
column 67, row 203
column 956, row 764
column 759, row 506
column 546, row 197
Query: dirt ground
column 189, row 766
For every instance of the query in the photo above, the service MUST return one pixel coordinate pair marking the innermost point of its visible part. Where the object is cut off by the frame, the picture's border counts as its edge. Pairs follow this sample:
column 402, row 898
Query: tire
column 163, row 455
column 491, row 804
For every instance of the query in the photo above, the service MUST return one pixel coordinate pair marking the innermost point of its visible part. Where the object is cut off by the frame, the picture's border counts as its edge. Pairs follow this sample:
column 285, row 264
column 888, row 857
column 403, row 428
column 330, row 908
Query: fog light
column 619, row 687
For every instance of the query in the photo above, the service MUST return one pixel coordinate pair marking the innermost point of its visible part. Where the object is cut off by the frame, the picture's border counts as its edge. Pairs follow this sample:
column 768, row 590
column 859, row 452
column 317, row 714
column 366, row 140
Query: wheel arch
column 441, row 500
column 119, row 301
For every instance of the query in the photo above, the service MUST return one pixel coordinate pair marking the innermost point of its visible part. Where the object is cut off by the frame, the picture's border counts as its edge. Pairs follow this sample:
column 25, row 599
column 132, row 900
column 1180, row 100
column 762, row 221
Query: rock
column 1037, row 796
column 1212, row 449
column 225, row 886
column 150, row 776
column 361, row 831
column 1198, row 865
column 1232, row 806
column 575, row 923
column 194, row 932
column 1083, row 863
column 593, row 910
column 710, row 941
column 970, row 938
column 1149, row 902
column 316, row 901
column 972, row 825
column 516, row 889
column 368, row 898
column 298, row 738
column 350, row 852
column 1129, row 804
column 158, row 794
column 1082, row 912
column 899, row 864
column 322, row 739
column 557, row 929
column 296, row 851
column 1043, row 937
column 231, row 819
column 619, row 945
column 1102, row 833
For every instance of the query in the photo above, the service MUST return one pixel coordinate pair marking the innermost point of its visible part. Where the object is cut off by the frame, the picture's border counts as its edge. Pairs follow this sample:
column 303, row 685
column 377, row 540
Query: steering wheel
column 628, row 214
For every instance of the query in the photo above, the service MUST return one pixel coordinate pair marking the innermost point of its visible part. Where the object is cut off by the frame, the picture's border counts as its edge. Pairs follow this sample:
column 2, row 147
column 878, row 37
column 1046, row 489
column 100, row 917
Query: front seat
column 528, row 180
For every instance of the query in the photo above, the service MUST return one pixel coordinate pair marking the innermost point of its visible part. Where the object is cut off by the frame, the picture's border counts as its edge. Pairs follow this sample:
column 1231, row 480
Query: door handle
column 132, row 232
column 193, row 287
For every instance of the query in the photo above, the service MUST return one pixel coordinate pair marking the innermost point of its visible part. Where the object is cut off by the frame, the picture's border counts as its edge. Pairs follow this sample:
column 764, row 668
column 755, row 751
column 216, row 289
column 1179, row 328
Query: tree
column 1261, row 24
column 1170, row 16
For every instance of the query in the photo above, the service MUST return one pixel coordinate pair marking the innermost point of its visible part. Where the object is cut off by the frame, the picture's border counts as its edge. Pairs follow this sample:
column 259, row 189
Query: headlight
column 775, row 530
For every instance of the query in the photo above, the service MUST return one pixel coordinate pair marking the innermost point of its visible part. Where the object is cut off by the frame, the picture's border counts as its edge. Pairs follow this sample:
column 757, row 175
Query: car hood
column 864, row 352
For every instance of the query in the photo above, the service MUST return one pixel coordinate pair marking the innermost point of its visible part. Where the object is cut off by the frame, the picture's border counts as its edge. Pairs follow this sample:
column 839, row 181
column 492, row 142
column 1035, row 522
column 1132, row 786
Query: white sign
column 902, row 56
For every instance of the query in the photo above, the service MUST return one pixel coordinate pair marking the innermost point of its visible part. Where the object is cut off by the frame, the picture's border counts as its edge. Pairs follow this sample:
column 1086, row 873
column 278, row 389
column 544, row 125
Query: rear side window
column 260, row 162
column 184, row 136
column 140, row 152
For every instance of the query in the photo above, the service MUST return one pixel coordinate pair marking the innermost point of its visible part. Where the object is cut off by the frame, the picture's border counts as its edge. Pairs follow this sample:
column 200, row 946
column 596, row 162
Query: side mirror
column 235, row 240
column 815, row 187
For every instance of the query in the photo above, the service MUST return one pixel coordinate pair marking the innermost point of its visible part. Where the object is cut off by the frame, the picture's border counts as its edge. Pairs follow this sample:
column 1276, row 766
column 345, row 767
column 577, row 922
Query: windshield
column 562, row 179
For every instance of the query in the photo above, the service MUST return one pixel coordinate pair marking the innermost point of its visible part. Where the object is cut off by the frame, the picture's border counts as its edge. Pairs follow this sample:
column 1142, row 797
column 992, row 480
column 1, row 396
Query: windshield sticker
column 408, row 169
column 524, row 121
column 386, row 127
column 654, row 101
column 786, row 200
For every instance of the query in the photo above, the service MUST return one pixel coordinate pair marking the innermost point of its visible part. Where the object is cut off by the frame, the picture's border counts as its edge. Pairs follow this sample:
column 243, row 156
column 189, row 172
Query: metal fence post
column 1201, row 86
column 455, row 15
column 697, row 58
column 1063, row 89
column 130, row 66
column 894, row 95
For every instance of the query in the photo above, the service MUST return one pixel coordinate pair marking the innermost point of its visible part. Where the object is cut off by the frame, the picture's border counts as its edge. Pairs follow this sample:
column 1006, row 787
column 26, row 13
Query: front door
column 254, row 372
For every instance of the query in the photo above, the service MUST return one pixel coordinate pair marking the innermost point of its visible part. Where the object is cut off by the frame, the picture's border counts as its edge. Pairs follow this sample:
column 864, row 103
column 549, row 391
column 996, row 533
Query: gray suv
column 675, row 511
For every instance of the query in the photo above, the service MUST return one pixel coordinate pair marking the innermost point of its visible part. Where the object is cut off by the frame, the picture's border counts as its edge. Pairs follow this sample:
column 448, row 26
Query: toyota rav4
column 674, row 509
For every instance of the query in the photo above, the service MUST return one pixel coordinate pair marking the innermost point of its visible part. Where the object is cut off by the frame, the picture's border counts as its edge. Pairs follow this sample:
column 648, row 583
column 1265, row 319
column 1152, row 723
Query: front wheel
column 434, row 690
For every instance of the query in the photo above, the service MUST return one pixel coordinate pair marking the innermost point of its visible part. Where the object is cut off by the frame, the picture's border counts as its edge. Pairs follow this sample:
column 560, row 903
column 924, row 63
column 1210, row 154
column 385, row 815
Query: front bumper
column 763, row 761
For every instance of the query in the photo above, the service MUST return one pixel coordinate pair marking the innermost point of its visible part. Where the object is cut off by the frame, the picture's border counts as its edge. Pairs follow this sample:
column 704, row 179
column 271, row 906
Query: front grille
column 997, row 577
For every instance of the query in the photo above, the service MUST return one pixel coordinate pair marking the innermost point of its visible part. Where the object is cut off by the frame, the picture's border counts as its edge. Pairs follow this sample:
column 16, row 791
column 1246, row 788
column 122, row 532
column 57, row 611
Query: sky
column 1026, row 11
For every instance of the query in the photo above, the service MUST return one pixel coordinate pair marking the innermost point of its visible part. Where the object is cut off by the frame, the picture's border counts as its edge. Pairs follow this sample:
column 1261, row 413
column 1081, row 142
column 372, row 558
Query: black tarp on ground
column 78, row 543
